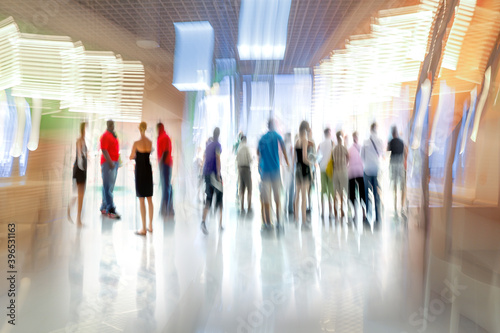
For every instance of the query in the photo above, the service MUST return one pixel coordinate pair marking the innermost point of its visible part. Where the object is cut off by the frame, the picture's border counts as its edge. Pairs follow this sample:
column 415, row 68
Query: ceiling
column 314, row 27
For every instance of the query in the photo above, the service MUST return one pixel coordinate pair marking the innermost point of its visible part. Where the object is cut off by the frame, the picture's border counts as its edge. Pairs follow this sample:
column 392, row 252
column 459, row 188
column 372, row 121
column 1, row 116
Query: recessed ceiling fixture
column 147, row 44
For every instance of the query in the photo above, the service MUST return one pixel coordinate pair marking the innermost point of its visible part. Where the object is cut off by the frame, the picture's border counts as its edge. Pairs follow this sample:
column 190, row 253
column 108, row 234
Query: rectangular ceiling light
column 263, row 29
column 10, row 70
column 194, row 48
column 45, row 70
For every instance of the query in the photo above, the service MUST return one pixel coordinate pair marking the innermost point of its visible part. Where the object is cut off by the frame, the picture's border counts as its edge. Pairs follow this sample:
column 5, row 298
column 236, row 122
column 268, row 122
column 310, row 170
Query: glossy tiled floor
column 326, row 277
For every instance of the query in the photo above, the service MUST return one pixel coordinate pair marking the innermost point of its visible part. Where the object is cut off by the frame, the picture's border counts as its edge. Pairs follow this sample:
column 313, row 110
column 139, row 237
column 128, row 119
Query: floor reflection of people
column 272, row 268
column 75, row 276
column 214, row 271
column 109, row 271
column 170, row 276
column 146, row 288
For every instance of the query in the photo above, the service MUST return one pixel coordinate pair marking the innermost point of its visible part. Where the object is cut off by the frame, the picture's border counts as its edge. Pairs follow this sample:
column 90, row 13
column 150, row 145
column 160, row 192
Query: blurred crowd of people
column 348, row 174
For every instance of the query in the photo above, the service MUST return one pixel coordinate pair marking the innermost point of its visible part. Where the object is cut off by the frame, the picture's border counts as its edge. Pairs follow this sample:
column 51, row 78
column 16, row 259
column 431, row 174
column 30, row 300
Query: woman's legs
column 143, row 216
column 150, row 206
column 81, row 193
column 296, row 199
column 304, row 188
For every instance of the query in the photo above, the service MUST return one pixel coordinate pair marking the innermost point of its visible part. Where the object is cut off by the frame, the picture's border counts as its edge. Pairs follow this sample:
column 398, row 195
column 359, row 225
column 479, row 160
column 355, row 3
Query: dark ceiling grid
column 294, row 32
column 226, row 36
column 232, row 28
column 304, row 42
column 151, row 28
column 220, row 32
column 171, row 20
column 313, row 39
column 311, row 24
column 291, row 24
column 331, row 24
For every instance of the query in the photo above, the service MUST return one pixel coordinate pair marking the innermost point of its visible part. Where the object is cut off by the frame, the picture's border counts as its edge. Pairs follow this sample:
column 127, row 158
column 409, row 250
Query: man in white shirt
column 370, row 154
column 325, row 149
column 244, row 159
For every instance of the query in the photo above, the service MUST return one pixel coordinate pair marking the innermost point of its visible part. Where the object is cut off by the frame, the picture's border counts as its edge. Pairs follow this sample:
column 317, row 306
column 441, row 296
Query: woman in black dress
column 80, row 172
column 143, row 177
column 302, row 170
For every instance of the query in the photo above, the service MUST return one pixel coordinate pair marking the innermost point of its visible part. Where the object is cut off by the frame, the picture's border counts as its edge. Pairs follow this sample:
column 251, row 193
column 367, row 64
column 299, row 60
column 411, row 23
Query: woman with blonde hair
column 143, row 177
column 302, row 170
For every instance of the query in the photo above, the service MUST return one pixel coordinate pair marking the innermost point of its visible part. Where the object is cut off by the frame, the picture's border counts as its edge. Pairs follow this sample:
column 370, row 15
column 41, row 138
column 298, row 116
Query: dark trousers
column 371, row 182
column 360, row 184
column 290, row 196
column 166, row 188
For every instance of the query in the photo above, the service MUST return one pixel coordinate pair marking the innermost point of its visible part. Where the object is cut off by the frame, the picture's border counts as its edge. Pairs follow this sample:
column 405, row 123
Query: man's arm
column 283, row 149
column 108, row 159
column 217, row 161
column 163, row 158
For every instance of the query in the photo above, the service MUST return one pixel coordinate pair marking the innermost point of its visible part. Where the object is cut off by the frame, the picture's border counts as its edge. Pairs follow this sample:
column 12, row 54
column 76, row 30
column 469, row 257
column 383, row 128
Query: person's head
column 340, row 137
column 160, row 128
column 394, row 131
column 142, row 127
column 110, row 125
column 216, row 134
column 243, row 139
column 288, row 137
column 270, row 124
column 355, row 137
column 304, row 126
column 373, row 128
column 328, row 132
column 82, row 129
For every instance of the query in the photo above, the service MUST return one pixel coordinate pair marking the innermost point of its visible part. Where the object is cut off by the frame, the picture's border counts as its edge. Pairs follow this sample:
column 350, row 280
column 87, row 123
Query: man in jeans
column 165, row 163
column 109, row 169
column 370, row 154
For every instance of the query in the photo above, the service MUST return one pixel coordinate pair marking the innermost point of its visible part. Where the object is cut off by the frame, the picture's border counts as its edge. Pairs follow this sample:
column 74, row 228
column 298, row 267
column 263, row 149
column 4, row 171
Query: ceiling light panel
column 9, row 54
column 45, row 69
column 194, row 48
column 263, row 26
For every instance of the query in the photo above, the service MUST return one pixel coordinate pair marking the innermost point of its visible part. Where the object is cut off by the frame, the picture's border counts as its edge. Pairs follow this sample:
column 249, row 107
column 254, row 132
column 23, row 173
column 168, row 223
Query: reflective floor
column 329, row 276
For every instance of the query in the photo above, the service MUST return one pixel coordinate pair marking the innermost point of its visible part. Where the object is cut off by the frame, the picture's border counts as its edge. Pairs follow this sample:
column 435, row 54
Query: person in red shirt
column 109, row 168
column 165, row 163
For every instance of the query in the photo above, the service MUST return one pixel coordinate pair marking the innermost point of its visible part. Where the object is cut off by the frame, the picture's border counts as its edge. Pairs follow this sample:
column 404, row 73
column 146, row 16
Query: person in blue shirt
column 269, row 164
